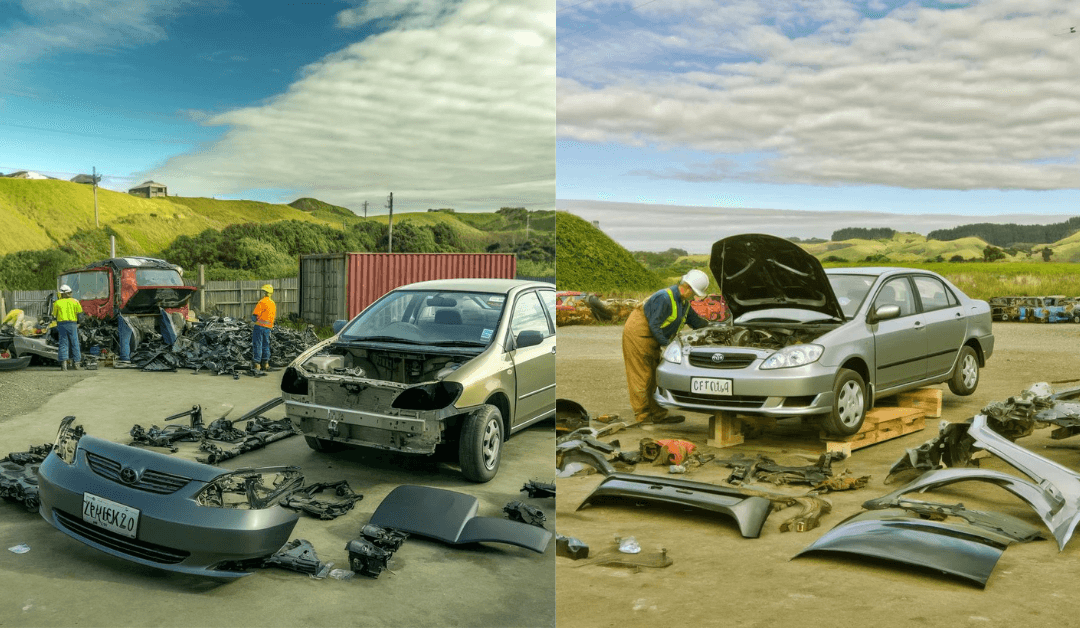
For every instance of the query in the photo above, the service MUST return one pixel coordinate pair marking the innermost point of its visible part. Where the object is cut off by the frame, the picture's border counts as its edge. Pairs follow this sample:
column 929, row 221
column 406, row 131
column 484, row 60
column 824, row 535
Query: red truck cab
column 129, row 286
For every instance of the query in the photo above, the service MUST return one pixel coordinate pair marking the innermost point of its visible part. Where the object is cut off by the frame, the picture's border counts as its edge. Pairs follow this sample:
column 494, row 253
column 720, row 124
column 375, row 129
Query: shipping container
column 338, row 286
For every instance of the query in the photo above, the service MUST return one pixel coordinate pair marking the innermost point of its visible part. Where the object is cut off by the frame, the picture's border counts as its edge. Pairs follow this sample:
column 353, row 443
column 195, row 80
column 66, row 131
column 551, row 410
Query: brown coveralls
column 641, row 353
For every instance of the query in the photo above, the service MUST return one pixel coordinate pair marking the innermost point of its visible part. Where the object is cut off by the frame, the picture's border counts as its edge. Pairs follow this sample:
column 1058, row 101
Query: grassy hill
column 39, row 215
column 324, row 211
column 586, row 259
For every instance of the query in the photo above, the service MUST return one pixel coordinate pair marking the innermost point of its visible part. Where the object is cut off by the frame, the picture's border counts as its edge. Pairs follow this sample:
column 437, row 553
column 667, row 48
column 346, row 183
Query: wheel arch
column 860, row 366
column 502, row 402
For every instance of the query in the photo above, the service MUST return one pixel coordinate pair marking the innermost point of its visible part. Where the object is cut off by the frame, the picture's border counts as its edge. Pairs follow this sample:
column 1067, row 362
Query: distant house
column 149, row 189
column 27, row 174
column 84, row 178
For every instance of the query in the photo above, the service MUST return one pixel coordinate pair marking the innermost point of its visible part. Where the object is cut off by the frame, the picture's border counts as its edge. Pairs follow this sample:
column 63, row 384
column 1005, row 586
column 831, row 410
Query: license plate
column 107, row 514
column 710, row 386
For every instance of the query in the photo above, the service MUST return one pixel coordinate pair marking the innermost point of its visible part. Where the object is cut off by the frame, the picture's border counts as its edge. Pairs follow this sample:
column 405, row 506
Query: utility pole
column 527, row 216
column 96, row 224
column 390, row 204
column 365, row 209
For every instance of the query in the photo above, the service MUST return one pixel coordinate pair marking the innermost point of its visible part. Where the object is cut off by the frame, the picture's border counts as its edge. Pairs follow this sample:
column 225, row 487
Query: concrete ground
column 720, row 578
column 61, row 582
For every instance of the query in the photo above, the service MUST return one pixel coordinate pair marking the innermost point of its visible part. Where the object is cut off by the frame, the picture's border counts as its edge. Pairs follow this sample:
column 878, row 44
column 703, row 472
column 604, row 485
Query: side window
column 529, row 316
column 933, row 294
column 896, row 292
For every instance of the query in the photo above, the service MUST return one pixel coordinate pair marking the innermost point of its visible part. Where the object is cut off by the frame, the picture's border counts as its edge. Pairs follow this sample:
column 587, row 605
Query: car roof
column 876, row 270
column 475, row 285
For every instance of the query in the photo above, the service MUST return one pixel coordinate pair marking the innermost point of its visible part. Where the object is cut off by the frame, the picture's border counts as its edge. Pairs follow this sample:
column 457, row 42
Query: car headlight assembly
column 673, row 353
column 67, row 440
column 792, row 356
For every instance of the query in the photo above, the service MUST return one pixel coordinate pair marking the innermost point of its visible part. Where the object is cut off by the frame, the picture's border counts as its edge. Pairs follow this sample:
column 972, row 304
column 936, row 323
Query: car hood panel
column 758, row 272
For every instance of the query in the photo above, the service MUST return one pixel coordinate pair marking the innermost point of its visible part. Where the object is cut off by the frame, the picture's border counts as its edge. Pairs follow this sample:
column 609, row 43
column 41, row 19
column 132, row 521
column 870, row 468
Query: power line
column 155, row 140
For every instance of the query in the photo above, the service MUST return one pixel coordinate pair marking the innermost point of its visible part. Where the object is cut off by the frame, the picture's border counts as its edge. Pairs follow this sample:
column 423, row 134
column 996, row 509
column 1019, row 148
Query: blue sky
column 968, row 109
column 444, row 103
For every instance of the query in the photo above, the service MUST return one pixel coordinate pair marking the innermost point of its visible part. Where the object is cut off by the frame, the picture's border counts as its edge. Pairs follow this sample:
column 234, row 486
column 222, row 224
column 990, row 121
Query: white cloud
column 454, row 115
column 404, row 13
column 981, row 96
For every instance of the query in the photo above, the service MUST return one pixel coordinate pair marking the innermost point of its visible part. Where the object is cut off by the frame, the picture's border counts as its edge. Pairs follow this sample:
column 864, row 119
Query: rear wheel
column 323, row 445
column 849, row 404
column 480, row 449
column 966, row 376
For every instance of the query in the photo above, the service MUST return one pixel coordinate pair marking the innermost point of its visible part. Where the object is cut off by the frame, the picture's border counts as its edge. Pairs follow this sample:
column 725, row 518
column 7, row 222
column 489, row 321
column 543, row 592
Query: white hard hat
column 697, row 280
column 65, row 288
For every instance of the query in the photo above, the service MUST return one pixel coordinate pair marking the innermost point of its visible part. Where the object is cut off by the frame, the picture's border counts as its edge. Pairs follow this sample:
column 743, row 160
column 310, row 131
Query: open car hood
column 148, row 299
column 759, row 272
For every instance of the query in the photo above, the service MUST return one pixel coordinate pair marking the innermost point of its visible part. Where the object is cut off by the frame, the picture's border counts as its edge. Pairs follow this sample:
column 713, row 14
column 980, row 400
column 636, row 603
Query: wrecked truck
column 810, row 342
column 458, row 364
column 137, row 287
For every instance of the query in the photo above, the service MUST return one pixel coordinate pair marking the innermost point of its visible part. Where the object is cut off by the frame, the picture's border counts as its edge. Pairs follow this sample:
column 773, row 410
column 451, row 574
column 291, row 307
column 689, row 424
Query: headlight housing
column 250, row 489
column 792, row 356
column 67, row 440
column 673, row 353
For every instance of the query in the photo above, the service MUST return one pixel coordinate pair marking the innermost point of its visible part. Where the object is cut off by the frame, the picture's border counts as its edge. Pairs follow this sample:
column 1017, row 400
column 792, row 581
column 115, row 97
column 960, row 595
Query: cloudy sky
column 944, row 107
column 445, row 103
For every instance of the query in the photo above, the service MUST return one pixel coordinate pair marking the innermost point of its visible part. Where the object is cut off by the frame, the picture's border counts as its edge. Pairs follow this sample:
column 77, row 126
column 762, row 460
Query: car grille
column 122, row 544
column 150, row 480
column 733, row 401
column 703, row 359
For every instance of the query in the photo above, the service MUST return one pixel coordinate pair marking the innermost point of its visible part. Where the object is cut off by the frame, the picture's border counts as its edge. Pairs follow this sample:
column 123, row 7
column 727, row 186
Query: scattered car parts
column 369, row 554
column 299, row 555
column 18, row 475
column 538, row 489
column 570, row 547
column 303, row 499
column 519, row 511
column 749, row 512
column 450, row 517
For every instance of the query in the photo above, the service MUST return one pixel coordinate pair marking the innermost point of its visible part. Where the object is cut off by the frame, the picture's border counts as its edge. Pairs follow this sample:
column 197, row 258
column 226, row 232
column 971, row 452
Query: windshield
column 158, row 277
column 87, row 285
column 431, row 318
column 851, row 290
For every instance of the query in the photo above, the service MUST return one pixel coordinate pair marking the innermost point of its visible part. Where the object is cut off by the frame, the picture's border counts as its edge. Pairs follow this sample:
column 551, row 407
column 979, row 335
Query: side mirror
column 884, row 313
column 528, row 338
column 339, row 325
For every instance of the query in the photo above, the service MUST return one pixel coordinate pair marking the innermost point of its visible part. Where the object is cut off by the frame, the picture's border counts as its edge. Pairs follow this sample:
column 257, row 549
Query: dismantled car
column 458, row 363
column 810, row 342
column 163, row 511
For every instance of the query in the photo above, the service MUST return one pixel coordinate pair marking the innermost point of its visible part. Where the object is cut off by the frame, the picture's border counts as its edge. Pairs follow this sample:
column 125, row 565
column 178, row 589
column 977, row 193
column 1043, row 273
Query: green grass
column 982, row 280
column 586, row 259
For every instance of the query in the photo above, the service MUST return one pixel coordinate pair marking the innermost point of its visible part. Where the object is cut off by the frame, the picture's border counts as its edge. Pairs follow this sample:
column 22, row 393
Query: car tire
column 322, row 445
column 849, row 404
column 965, row 378
column 480, row 448
column 1004, row 317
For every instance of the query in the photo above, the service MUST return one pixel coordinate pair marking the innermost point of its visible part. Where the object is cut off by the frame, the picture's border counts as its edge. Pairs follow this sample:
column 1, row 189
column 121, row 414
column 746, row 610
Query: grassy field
column 588, row 260
column 982, row 281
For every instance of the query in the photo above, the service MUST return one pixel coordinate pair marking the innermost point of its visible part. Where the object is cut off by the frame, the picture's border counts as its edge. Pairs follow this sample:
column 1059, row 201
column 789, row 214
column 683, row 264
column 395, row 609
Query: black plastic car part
column 450, row 517
column 749, row 512
column 536, row 488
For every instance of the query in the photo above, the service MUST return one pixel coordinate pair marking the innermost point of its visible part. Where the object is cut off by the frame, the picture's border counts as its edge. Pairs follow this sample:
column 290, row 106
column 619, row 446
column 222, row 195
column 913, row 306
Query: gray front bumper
column 418, row 434
column 801, row 391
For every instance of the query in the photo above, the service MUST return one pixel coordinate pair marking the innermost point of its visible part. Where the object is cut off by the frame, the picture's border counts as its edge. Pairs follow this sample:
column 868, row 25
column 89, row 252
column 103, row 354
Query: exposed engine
column 391, row 366
column 759, row 337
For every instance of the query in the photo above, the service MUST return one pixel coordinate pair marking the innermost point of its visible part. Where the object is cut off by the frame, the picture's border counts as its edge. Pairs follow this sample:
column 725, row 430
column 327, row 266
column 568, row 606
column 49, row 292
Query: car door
column 534, row 366
column 899, row 343
column 943, row 318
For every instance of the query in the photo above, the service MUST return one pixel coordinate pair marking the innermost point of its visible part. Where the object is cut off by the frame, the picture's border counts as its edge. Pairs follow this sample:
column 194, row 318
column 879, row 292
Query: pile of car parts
column 819, row 475
column 18, row 475
column 304, row 500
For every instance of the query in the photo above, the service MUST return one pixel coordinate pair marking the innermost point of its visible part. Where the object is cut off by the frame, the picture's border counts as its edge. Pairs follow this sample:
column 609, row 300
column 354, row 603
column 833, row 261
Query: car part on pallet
column 538, row 489
column 954, row 548
column 450, row 517
column 519, row 511
column 1005, row 525
column 303, row 499
column 18, row 475
column 370, row 554
column 162, row 511
column 570, row 547
column 749, row 511
column 299, row 555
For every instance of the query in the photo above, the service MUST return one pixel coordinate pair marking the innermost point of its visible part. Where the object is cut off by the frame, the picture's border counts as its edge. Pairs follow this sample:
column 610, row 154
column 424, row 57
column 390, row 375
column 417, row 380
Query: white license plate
column 104, row 513
column 710, row 386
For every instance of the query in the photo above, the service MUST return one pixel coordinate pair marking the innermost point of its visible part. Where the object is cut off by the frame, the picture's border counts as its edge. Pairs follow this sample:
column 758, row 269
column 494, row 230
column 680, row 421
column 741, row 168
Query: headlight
column 673, row 353
column 67, row 440
column 250, row 489
column 428, row 396
column 795, row 355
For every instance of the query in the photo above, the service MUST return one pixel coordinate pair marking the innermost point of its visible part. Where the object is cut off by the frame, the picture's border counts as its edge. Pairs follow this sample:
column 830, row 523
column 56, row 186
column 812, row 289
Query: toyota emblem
column 718, row 357
column 128, row 475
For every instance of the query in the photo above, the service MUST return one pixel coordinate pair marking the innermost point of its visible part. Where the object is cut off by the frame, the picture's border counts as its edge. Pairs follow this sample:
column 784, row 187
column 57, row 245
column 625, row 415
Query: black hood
column 760, row 272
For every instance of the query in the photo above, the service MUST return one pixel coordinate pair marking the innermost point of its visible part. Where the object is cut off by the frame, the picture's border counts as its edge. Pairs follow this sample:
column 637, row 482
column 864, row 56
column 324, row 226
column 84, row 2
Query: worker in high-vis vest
column 66, row 312
column 263, row 317
column 651, row 327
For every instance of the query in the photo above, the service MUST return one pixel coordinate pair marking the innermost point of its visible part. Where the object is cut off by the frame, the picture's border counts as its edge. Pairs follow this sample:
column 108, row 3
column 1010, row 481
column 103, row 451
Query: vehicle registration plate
column 104, row 513
column 710, row 386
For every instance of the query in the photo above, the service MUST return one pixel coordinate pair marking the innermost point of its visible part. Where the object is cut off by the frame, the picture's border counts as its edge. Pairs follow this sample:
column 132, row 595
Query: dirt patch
column 22, row 391
column 720, row 577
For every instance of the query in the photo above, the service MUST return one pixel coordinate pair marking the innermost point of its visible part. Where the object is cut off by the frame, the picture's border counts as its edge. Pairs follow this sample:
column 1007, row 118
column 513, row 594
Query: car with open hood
column 460, row 364
column 803, row 341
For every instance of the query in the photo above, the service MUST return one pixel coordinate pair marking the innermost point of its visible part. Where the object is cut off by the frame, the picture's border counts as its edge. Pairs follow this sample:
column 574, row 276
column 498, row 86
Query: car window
column 157, row 277
column 851, row 290
column 87, row 285
column 430, row 317
column 896, row 292
column 529, row 316
column 933, row 294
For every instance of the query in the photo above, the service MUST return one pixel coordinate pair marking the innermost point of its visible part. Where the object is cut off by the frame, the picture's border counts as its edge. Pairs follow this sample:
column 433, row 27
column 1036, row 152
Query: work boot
column 255, row 366
column 63, row 365
column 266, row 365
column 74, row 365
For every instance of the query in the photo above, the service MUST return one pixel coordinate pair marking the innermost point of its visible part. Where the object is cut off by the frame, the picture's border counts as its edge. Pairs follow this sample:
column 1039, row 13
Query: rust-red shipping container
column 339, row 285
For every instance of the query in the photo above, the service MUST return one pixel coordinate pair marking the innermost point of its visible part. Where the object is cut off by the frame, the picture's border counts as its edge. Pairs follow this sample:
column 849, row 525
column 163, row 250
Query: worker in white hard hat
column 263, row 316
column 66, row 312
column 651, row 327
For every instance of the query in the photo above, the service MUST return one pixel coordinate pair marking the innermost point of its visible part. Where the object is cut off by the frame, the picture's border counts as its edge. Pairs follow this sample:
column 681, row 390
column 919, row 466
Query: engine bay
column 759, row 336
column 385, row 365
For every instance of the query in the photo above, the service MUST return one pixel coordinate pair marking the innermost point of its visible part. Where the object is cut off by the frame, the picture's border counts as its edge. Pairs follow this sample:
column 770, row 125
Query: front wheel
column 849, row 404
column 480, row 449
column 966, row 376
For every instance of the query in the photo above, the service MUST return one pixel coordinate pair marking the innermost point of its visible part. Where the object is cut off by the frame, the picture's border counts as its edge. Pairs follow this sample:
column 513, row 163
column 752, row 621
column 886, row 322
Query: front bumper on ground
column 800, row 391
column 174, row 532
